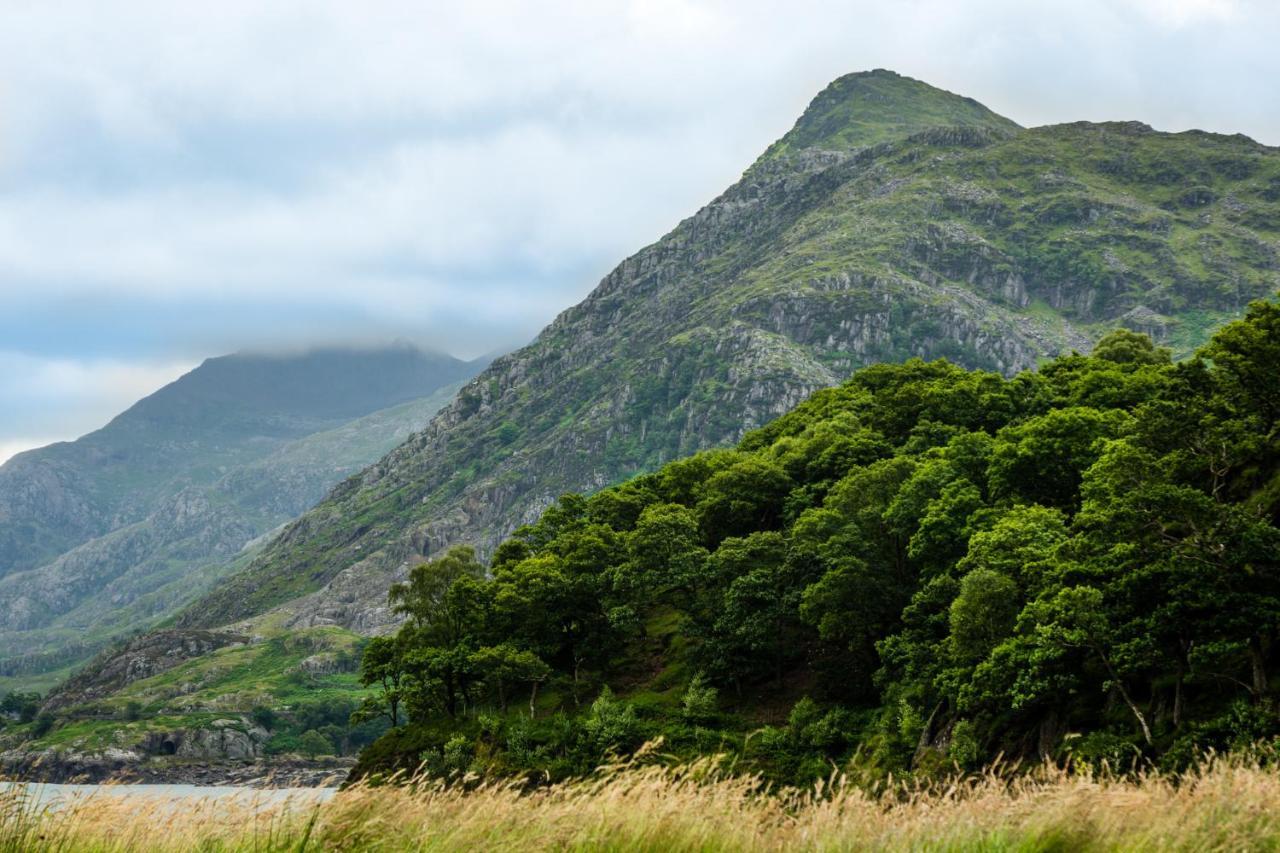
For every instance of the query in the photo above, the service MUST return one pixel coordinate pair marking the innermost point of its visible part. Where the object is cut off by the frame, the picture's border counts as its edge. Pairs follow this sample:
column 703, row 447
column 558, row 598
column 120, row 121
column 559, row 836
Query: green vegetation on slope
column 56, row 616
column 860, row 110
column 921, row 568
column 894, row 221
column 286, row 684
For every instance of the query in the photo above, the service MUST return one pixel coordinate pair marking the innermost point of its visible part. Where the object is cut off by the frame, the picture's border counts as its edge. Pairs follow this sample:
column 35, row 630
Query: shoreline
column 128, row 767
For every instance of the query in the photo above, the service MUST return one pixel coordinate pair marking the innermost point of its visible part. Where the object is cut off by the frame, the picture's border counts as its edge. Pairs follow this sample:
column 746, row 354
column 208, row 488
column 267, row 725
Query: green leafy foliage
column 934, row 565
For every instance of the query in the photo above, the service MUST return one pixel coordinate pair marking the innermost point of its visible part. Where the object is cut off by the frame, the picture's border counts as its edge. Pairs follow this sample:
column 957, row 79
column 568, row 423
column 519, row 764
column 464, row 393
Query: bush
column 611, row 724
column 964, row 749
column 43, row 724
column 699, row 700
column 263, row 717
column 133, row 711
column 1242, row 726
column 312, row 743
column 1103, row 749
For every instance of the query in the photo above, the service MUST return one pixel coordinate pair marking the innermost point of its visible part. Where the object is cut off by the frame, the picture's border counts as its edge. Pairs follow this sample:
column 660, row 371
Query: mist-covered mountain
column 114, row 531
column 894, row 220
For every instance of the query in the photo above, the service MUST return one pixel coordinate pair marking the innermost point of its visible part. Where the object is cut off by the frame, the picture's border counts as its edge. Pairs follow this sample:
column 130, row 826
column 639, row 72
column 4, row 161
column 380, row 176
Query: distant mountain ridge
column 112, row 531
column 894, row 220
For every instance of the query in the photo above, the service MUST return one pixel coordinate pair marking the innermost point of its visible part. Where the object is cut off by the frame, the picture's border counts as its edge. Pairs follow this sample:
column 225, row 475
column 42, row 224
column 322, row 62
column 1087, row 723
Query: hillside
column 922, row 568
column 147, row 512
column 894, row 220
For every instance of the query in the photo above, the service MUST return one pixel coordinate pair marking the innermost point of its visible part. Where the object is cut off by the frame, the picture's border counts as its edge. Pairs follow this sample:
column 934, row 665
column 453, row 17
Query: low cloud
column 60, row 398
column 178, row 181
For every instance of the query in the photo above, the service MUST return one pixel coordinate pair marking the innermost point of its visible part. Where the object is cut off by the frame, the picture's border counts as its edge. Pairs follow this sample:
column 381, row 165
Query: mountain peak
column 870, row 107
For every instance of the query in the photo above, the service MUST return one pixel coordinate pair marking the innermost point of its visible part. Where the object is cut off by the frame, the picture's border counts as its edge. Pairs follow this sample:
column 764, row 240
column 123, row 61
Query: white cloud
column 1181, row 13
column 392, row 167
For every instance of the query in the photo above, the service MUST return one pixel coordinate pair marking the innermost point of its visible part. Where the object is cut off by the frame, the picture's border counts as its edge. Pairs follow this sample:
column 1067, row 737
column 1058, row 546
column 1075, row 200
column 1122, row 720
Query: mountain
column 893, row 220
column 113, row 531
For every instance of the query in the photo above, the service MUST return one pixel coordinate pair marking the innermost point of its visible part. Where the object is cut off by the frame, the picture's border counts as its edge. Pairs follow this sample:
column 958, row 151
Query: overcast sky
column 180, row 180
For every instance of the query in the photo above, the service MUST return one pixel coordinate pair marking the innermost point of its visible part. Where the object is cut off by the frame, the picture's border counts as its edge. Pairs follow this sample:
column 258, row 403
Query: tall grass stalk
column 1227, row 804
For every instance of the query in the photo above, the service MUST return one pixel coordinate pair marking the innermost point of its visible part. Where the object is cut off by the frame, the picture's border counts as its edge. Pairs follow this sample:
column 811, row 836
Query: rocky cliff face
column 893, row 221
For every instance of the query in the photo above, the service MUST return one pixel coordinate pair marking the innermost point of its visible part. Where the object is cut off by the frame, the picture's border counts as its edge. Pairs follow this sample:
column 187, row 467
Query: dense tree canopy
column 937, row 565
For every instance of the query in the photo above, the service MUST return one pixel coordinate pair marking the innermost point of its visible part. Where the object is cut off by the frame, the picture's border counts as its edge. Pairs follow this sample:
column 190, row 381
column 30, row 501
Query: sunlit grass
column 1225, row 805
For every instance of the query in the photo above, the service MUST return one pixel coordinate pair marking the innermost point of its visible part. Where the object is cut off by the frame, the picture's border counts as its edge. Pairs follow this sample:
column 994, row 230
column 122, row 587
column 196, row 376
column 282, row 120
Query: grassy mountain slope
column 893, row 220
column 248, row 443
column 228, row 411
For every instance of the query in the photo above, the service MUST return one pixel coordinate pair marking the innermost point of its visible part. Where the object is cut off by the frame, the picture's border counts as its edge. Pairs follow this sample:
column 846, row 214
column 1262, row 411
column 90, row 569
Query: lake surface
column 55, row 795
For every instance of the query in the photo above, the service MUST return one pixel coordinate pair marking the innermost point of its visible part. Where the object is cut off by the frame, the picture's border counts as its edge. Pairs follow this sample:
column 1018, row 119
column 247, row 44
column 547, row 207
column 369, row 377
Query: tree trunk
column 1051, row 731
column 533, row 699
column 1178, row 698
column 1258, row 662
column 1124, row 694
column 926, row 735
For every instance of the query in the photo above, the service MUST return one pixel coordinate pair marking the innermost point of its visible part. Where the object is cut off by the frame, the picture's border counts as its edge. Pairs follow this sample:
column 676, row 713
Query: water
column 178, row 795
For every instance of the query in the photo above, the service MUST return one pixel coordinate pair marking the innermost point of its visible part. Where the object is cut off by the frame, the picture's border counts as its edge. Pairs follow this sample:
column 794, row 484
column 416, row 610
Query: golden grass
column 1225, row 805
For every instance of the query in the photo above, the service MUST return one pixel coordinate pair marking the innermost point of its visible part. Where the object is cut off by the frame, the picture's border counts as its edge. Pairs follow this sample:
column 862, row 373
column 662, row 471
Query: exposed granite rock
column 142, row 657
column 132, row 765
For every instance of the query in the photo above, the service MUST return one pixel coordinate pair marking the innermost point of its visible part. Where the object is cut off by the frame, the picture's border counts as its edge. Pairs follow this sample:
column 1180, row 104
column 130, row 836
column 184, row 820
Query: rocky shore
column 128, row 765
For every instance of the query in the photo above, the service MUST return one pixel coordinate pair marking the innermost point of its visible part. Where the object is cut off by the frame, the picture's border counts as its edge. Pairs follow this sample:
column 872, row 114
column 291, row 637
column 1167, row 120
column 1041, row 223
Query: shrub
column 964, row 749
column 454, row 760
column 264, row 717
column 699, row 700
column 1103, row 749
column 611, row 724
column 312, row 743
column 42, row 725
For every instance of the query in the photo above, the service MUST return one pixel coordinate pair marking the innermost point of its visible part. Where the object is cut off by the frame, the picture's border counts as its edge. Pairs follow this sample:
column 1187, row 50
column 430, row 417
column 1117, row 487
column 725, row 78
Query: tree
column 743, row 498
column 383, row 664
column 441, row 678
column 20, row 706
column 666, row 553
column 1021, row 544
column 758, row 615
column 504, row 665
column 1246, row 358
column 1123, row 346
column 437, row 598
column 313, row 744
column 1077, row 618
column 559, row 614
column 982, row 614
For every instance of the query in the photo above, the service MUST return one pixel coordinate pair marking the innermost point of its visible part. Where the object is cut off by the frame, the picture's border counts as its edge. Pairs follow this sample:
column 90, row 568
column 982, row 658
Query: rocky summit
column 894, row 220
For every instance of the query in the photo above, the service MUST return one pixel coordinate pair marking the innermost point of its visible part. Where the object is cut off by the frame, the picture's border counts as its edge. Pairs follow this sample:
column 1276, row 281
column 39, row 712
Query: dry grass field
column 1225, row 805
